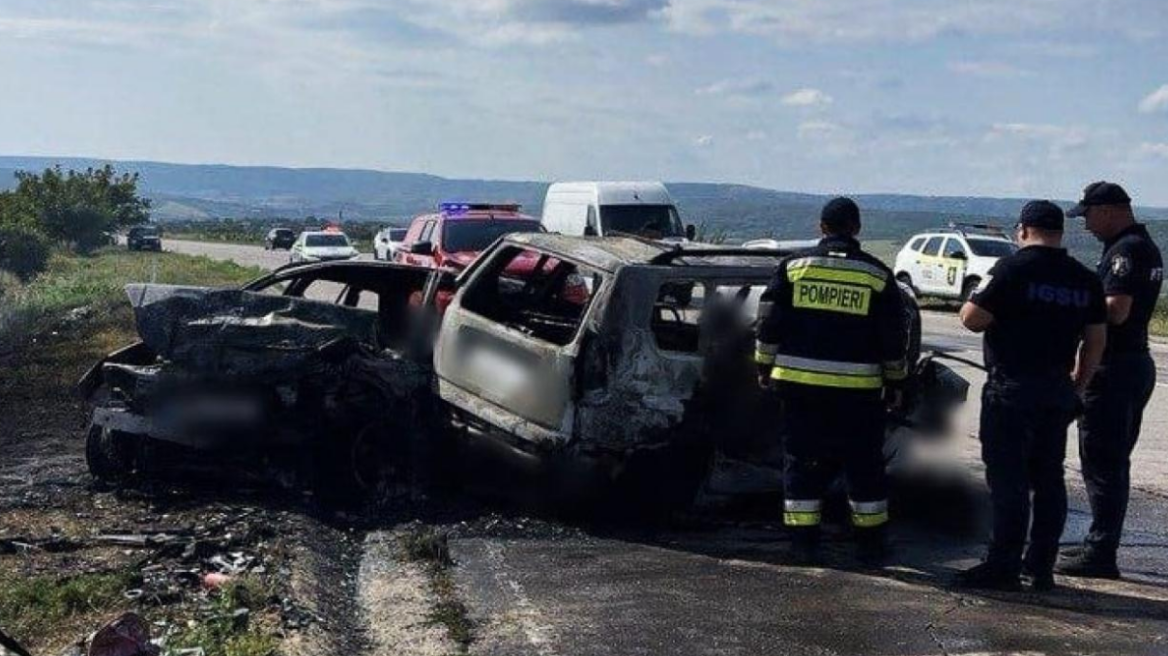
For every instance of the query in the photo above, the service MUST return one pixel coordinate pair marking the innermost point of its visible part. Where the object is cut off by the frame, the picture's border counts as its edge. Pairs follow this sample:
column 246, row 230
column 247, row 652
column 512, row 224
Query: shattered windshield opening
column 653, row 221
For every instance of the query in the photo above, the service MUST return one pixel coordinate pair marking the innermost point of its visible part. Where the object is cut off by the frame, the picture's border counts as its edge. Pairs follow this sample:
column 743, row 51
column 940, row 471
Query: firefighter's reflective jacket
column 832, row 317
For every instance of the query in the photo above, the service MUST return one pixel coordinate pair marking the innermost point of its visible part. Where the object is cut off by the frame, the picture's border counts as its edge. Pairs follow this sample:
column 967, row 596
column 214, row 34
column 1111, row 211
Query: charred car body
column 636, row 387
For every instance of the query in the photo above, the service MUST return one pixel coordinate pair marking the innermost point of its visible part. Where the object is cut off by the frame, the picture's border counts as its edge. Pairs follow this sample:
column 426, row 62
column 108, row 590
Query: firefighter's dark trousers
column 1108, row 431
column 829, row 430
column 1024, row 425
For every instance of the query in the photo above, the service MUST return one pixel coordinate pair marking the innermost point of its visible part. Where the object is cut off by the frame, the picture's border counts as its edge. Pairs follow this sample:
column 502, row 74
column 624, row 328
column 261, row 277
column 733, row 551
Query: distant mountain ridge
column 206, row 191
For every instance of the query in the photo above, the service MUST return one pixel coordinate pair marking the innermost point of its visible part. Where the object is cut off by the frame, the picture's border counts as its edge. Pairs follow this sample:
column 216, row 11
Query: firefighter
column 1044, row 322
column 1132, row 271
column 831, row 336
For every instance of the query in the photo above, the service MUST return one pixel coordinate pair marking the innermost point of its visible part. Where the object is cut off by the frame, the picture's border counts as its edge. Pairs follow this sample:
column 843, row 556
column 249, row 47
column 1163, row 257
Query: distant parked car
column 144, row 238
column 322, row 245
column 279, row 239
column 950, row 263
column 387, row 242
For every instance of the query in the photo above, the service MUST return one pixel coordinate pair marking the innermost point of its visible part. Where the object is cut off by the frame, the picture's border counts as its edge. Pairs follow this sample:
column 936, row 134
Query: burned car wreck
column 264, row 373
column 586, row 369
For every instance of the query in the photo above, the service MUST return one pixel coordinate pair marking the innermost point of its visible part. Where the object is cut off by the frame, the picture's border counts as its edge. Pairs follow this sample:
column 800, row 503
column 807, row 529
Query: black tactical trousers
column 1023, row 444
column 1108, row 431
column 829, row 430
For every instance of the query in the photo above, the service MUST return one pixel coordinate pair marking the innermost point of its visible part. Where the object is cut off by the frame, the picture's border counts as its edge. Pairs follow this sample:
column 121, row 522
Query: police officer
column 1131, row 270
column 831, row 334
column 1044, row 321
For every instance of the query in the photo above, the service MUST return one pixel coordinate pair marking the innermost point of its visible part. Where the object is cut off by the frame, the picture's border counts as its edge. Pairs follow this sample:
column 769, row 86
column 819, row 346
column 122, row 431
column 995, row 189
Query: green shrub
column 23, row 253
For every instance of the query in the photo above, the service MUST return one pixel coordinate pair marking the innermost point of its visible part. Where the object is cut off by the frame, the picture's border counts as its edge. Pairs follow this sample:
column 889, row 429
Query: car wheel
column 904, row 278
column 109, row 454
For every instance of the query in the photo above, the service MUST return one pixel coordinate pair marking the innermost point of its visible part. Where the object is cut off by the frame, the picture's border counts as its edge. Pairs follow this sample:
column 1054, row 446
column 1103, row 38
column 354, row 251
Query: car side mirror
column 422, row 248
column 959, row 255
column 691, row 231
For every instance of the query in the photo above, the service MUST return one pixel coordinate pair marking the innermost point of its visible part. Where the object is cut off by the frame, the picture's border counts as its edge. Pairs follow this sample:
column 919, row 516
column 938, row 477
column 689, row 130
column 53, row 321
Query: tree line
column 75, row 210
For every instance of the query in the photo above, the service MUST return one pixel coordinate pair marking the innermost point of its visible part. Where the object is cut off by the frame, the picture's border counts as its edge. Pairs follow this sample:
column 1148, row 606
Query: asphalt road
column 723, row 586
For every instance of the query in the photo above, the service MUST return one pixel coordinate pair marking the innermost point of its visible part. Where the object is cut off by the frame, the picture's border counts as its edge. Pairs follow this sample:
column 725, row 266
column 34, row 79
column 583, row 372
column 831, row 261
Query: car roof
column 307, row 267
column 621, row 192
column 612, row 253
column 478, row 215
column 957, row 233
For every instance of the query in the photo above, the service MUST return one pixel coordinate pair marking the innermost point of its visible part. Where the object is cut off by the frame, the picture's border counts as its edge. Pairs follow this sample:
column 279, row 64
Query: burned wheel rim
column 108, row 455
column 368, row 461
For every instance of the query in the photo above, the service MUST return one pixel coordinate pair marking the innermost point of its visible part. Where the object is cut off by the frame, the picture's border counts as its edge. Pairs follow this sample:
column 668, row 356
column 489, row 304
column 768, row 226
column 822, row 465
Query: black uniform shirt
column 1132, row 266
column 1041, row 299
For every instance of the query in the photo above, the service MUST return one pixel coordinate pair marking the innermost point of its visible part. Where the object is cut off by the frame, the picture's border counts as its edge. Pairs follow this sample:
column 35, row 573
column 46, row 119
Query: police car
column 951, row 262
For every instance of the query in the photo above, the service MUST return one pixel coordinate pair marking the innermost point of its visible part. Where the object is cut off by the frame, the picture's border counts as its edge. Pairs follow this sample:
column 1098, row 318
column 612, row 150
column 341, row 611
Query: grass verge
column 428, row 547
column 43, row 605
column 96, row 282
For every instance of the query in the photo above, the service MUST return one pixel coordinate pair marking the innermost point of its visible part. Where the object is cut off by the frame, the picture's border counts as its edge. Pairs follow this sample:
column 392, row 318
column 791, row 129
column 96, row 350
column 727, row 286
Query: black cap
column 1100, row 193
column 840, row 214
column 1041, row 214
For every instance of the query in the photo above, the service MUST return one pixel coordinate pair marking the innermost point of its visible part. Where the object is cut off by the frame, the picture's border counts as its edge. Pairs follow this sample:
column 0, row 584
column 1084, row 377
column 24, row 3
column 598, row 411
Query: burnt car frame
column 644, row 390
column 312, row 367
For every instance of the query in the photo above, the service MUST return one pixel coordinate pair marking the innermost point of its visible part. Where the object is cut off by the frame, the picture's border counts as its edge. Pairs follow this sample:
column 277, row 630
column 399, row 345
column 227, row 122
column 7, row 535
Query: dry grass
column 93, row 286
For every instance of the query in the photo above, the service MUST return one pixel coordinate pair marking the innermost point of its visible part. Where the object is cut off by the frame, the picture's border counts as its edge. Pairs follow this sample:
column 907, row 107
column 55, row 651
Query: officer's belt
column 827, row 373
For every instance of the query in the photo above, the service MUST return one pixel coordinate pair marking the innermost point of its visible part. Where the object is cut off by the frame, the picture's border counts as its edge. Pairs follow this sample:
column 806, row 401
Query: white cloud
column 816, row 130
column 1158, row 149
column 807, row 98
column 895, row 21
column 736, row 87
column 1037, row 131
column 536, row 22
column 1056, row 142
column 1155, row 102
column 988, row 69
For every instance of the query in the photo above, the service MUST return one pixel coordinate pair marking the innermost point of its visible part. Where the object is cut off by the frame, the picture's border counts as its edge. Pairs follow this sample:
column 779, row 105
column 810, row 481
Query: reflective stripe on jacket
column 832, row 317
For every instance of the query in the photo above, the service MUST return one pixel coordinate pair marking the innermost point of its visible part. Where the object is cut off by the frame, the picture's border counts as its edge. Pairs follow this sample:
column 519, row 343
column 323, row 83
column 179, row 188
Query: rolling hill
column 195, row 192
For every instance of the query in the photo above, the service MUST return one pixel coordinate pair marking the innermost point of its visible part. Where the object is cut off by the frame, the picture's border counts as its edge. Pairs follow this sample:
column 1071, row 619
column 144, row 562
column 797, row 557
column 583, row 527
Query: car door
column 509, row 340
column 412, row 233
column 954, row 259
column 425, row 235
column 928, row 265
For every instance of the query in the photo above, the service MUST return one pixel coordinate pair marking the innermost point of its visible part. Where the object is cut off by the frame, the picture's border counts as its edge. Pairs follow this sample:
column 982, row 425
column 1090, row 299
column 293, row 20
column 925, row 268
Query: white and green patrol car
column 950, row 263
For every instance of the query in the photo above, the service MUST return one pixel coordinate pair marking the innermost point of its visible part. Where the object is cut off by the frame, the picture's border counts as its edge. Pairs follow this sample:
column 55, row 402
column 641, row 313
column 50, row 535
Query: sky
column 1026, row 98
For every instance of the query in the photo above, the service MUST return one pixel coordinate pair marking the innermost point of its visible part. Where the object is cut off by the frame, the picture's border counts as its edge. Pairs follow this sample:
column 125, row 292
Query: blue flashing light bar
column 458, row 209
column 454, row 209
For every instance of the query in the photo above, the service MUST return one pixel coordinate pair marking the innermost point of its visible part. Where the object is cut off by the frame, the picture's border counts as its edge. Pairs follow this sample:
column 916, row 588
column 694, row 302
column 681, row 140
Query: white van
column 603, row 209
